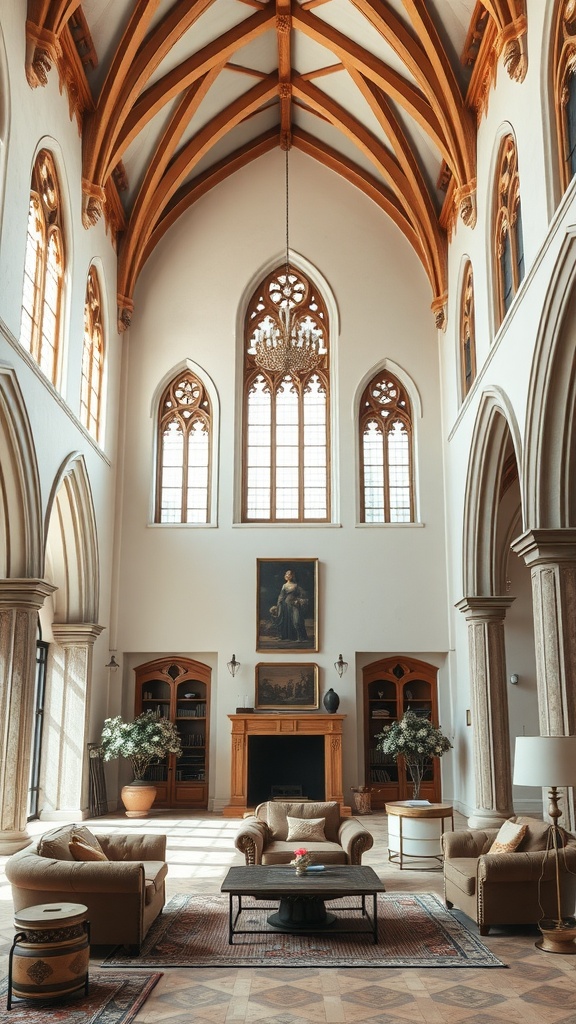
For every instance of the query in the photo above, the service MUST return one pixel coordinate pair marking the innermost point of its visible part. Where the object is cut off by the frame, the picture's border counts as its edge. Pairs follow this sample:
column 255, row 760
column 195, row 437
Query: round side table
column 51, row 951
column 415, row 830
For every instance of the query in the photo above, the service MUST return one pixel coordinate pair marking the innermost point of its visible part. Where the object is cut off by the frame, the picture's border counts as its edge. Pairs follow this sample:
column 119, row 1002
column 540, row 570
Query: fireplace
column 287, row 727
column 279, row 765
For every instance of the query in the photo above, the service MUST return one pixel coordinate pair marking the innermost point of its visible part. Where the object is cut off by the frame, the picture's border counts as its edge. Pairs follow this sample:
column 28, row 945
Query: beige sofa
column 507, row 888
column 124, row 894
column 262, row 837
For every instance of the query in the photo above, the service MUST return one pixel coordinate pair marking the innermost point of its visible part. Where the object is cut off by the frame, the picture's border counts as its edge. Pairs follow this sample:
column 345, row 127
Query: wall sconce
column 340, row 666
column 514, row 679
column 233, row 666
column 112, row 664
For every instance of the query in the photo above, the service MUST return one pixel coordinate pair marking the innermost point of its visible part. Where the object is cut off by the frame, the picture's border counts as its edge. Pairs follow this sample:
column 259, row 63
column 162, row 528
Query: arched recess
column 21, row 531
column 495, row 446
column 550, row 474
column 72, row 539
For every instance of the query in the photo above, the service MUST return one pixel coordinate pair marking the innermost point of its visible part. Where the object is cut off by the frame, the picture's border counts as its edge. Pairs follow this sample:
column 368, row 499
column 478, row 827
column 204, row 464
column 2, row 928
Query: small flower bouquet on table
column 301, row 860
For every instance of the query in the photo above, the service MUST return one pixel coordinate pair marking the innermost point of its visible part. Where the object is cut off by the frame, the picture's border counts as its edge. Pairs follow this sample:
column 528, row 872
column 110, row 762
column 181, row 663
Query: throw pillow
column 302, row 830
column 509, row 837
column 83, row 851
column 56, row 843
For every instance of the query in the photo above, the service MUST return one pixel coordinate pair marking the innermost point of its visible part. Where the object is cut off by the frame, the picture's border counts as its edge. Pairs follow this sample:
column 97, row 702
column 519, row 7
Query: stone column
column 485, row 617
column 20, row 602
column 66, row 767
column 551, row 557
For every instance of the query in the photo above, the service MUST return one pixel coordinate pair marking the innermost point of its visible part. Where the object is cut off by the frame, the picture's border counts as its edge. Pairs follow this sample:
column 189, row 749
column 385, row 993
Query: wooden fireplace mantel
column 244, row 726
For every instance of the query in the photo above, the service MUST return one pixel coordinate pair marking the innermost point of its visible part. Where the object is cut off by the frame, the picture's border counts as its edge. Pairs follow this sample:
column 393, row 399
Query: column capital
column 24, row 593
column 76, row 634
column 538, row 547
column 487, row 609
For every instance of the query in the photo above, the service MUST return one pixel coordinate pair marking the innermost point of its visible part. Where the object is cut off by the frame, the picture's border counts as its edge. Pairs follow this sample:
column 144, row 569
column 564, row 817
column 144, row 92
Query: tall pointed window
column 286, row 402
column 508, row 239
column 92, row 357
column 43, row 268
column 386, row 452
column 564, row 62
column 467, row 333
column 184, row 452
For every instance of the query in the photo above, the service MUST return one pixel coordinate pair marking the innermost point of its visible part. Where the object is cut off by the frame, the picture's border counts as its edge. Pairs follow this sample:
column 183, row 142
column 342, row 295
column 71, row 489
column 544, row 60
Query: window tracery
column 467, row 332
column 508, row 241
column 286, row 402
column 564, row 63
column 92, row 357
column 385, row 429
column 184, row 452
column 43, row 268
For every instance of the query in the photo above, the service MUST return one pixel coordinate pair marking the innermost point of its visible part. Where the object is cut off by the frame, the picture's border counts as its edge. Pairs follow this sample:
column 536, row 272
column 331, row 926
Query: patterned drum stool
column 50, row 953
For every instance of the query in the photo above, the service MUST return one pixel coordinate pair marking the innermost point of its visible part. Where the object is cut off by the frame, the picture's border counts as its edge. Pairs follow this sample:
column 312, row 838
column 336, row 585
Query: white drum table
column 414, row 830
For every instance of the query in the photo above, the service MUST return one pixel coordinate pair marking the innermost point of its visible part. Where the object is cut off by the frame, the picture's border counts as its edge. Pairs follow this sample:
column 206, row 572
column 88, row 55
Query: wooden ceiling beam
column 393, row 84
column 189, row 71
column 422, row 219
column 424, row 56
column 136, row 58
column 284, row 38
column 153, row 199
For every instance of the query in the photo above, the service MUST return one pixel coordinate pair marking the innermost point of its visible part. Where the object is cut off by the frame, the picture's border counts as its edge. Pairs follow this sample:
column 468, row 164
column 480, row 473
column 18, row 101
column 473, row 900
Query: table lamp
column 550, row 762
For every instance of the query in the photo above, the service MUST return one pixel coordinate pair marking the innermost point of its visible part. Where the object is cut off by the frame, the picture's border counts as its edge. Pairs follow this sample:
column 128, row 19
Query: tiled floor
column 537, row 988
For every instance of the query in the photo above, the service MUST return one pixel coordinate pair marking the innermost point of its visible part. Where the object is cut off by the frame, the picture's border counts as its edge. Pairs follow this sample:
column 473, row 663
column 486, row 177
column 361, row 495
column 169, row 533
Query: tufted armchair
column 507, row 888
column 263, row 836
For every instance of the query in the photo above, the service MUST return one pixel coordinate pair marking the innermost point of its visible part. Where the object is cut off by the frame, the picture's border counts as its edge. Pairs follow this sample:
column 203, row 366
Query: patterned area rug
column 414, row 931
column 112, row 999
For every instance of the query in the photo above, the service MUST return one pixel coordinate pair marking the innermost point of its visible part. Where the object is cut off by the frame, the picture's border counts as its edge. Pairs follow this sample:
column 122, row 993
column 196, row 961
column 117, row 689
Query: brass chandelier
column 288, row 339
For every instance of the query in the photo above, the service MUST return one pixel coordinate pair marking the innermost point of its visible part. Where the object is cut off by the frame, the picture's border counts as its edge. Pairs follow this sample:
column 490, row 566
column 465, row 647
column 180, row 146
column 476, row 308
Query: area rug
column 113, row 998
column 415, row 930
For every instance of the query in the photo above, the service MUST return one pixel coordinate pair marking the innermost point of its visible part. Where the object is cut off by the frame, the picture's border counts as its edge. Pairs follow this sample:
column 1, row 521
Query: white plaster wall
column 504, row 361
column 382, row 589
column 41, row 117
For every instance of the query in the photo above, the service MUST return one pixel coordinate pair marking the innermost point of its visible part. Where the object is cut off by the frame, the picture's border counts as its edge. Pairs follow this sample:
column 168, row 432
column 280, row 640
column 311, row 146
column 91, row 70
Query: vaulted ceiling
column 173, row 96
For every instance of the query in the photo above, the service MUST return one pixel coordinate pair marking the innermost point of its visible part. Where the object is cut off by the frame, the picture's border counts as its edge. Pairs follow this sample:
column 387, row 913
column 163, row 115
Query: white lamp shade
column 545, row 761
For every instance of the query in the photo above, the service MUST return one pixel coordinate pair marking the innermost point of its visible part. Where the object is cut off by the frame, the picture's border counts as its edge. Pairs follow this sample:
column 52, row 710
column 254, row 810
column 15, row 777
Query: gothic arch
column 550, row 475
column 73, row 542
column 495, row 437
column 21, row 533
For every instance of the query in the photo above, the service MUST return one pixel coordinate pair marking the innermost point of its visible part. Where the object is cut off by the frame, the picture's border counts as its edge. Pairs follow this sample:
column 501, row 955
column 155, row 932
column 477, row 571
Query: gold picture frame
column 286, row 686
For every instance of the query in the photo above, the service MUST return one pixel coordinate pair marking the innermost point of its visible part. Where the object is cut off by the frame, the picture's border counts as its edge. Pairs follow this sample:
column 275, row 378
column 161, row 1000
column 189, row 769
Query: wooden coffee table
column 302, row 899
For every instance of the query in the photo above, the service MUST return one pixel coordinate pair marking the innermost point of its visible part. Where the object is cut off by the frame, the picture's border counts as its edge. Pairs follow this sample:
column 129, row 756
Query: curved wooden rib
column 354, row 56
column 155, row 195
column 135, row 60
column 181, row 77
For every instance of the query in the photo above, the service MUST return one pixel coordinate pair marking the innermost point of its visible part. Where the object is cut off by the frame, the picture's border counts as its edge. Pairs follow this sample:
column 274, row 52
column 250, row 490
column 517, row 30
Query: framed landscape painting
column 287, row 604
column 286, row 687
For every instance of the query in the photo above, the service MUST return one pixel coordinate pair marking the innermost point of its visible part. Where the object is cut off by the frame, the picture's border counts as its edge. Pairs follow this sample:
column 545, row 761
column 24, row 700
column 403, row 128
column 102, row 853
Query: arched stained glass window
column 508, row 237
column 467, row 333
column 43, row 268
column 564, row 64
column 92, row 357
column 184, row 452
column 286, row 463
column 385, row 428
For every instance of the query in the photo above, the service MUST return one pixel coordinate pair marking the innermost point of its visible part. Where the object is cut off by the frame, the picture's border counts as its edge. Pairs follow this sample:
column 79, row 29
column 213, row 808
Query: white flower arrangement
column 416, row 740
column 145, row 741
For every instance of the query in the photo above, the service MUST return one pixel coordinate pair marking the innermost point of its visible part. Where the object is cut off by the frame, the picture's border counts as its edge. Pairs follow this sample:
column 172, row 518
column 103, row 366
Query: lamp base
column 557, row 937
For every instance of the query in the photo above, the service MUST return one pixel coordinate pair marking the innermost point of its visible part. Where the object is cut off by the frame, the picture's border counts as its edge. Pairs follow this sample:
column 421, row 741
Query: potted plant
column 145, row 741
column 416, row 740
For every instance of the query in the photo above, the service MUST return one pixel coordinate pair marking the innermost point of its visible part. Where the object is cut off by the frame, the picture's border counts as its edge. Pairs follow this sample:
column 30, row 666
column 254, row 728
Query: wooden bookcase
column 391, row 686
column 179, row 689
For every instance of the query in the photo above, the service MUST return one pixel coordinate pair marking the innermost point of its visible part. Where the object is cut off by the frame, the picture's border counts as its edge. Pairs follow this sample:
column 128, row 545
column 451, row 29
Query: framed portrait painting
column 287, row 604
column 286, row 687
